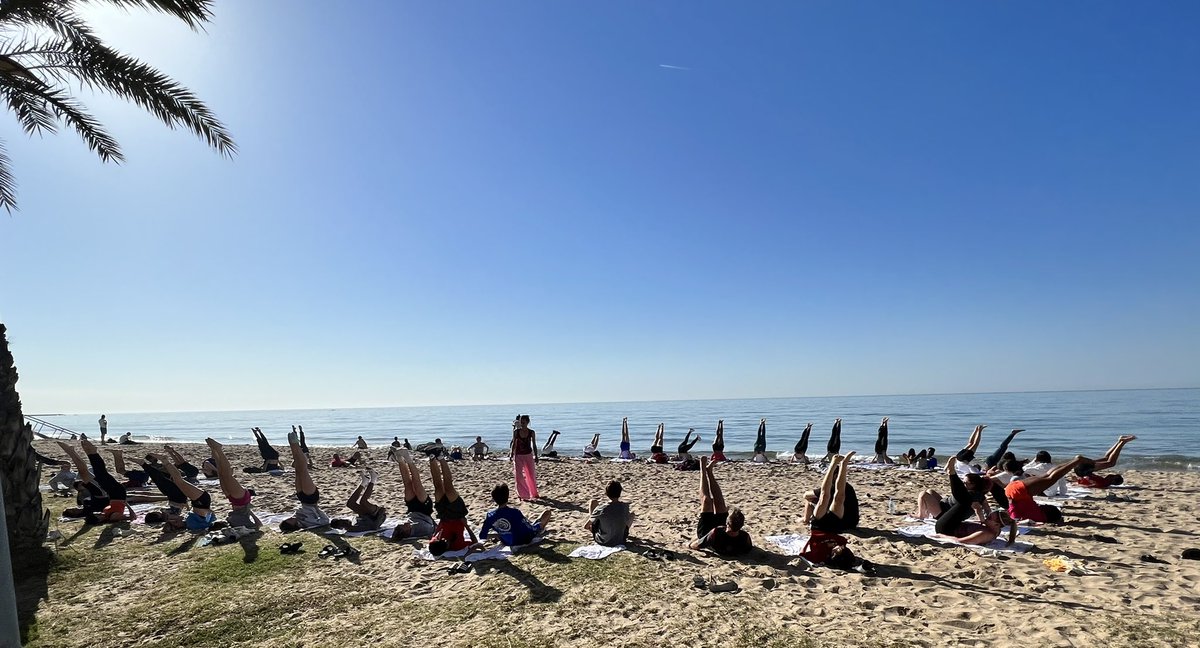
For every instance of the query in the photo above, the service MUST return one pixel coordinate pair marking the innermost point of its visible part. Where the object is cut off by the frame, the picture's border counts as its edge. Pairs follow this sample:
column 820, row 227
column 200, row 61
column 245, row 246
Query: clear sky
column 444, row 203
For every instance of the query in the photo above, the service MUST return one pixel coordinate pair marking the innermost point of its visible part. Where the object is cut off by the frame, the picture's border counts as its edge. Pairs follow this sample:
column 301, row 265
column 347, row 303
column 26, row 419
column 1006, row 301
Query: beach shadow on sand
column 977, row 591
column 560, row 505
column 539, row 592
column 31, row 577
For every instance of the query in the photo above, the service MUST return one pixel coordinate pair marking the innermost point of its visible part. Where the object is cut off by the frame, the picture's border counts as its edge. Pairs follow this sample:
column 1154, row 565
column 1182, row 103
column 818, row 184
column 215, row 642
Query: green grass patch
column 230, row 565
column 1153, row 632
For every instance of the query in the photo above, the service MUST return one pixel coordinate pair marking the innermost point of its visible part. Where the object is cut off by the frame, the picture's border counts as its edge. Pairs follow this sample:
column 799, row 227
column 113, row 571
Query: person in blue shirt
column 509, row 523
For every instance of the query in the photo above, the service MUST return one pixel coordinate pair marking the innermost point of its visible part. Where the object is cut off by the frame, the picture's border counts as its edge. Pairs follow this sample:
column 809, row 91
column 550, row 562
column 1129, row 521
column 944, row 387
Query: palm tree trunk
column 18, row 468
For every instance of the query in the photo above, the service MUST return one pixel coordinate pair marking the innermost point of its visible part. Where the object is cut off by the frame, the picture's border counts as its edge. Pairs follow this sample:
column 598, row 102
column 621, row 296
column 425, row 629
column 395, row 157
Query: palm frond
column 32, row 113
column 8, row 183
column 41, row 101
column 57, row 17
column 174, row 105
column 191, row 12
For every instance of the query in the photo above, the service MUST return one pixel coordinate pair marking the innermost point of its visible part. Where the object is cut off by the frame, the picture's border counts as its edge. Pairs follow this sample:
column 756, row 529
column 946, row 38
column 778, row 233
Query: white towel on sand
column 494, row 552
column 792, row 545
column 595, row 551
column 927, row 530
column 385, row 531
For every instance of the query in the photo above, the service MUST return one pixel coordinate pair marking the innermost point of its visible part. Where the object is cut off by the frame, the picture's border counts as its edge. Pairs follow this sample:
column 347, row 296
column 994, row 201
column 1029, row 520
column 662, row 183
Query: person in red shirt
column 1087, row 470
column 657, row 455
column 1021, row 492
column 718, row 453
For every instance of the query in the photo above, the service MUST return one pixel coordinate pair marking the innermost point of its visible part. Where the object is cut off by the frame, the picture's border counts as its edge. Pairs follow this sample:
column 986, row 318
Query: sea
column 1166, row 422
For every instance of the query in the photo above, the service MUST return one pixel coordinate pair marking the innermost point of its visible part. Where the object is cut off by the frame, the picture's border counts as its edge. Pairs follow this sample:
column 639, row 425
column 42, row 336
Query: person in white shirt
column 1041, row 465
column 103, row 428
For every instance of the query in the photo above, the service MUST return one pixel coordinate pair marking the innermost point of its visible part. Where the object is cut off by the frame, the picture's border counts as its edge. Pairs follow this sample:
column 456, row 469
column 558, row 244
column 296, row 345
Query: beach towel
column 927, row 530
column 791, row 545
column 619, row 460
column 595, row 551
column 494, row 552
column 142, row 510
column 867, row 465
column 385, row 531
column 272, row 520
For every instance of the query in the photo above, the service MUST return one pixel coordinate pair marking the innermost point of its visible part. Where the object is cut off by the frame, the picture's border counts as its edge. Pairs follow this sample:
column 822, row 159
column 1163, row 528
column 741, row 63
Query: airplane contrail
column 673, row 67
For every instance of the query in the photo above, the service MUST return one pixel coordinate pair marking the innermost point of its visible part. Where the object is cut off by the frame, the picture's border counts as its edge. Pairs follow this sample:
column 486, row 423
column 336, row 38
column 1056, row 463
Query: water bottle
column 891, row 506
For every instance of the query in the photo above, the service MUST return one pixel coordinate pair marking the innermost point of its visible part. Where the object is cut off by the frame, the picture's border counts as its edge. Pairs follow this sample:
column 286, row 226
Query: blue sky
column 532, row 202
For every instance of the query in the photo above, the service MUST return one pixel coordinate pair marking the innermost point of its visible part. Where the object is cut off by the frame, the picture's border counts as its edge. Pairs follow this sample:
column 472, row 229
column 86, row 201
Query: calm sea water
column 1166, row 421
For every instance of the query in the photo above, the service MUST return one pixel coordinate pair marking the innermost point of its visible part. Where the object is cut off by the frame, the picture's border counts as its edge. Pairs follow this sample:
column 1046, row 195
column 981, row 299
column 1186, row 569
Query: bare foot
column 87, row 446
column 847, row 458
column 1017, row 431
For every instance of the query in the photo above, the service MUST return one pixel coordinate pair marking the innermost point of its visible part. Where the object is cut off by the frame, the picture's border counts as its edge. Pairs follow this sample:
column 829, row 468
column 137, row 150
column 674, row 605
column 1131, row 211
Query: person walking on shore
column 524, row 453
column 103, row 428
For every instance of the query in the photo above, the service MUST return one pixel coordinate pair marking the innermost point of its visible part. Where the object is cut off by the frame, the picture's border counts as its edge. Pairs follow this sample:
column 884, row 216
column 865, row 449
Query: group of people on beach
column 830, row 510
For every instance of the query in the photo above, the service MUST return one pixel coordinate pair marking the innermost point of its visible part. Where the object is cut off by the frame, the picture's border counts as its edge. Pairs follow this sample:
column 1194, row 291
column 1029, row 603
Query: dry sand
column 925, row 594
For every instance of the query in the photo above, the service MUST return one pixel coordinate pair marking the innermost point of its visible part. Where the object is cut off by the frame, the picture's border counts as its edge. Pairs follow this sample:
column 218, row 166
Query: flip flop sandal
column 1152, row 559
column 290, row 547
column 728, row 586
column 349, row 552
column 652, row 555
column 328, row 551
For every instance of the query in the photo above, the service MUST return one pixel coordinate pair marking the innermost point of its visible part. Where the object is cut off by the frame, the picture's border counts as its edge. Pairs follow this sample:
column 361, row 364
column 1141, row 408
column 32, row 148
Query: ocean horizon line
column 651, row 400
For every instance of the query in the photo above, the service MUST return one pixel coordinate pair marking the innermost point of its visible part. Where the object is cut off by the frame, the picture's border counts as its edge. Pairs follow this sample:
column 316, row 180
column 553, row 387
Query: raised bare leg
column 824, row 500
column 230, row 486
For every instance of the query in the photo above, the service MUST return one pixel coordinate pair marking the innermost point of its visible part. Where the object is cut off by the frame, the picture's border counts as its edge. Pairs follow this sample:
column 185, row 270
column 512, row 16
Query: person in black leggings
column 719, row 443
column 180, row 493
column 686, row 446
column 117, row 495
column 965, row 501
column 834, row 447
column 304, row 445
column 994, row 459
column 760, row 441
column 832, row 511
column 270, row 455
column 800, row 452
column 881, row 444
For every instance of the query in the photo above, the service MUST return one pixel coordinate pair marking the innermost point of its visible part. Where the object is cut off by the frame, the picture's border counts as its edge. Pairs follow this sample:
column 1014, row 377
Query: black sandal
column 328, row 551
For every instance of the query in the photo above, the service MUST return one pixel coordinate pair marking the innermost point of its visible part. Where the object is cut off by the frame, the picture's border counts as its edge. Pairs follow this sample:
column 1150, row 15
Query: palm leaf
column 8, row 183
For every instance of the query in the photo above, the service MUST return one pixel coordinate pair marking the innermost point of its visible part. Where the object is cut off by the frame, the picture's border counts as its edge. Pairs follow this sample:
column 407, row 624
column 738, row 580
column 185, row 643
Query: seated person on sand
column 451, row 511
column 270, row 455
column 657, row 454
column 418, row 521
column 626, row 447
column 686, row 446
column 1087, row 470
column 834, row 446
column 510, row 525
column 239, row 497
column 548, row 449
column 370, row 516
column 456, row 453
column 881, row 445
column 1022, row 491
column 953, row 520
column 180, row 493
column 800, row 452
column 479, row 449
column 60, row 483
column 760, row 443
column 1043, row 463
column 127, row 439
column 931, row 504
column 834, row 508
column 931, row 461
column 360, row 443
column 101, row 487
column 308, row 515
column 719, row 528
column 592, row 450
column 718, row 446
column 610, row 522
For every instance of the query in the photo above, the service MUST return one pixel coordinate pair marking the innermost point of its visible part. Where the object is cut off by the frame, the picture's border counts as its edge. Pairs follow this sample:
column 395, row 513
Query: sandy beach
column 162, row 590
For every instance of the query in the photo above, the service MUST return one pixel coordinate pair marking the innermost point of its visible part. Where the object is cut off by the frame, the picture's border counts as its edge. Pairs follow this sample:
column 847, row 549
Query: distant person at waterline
column 800, row 452
column 127, row 439
column 760, row 443
column 881, row 445
column 103, row 428
column 361, row 443
column 548, row 449
column 479, row 449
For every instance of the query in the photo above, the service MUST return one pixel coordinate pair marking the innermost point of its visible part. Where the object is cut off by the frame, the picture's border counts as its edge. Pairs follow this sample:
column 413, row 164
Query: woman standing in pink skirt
column 523, row 451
